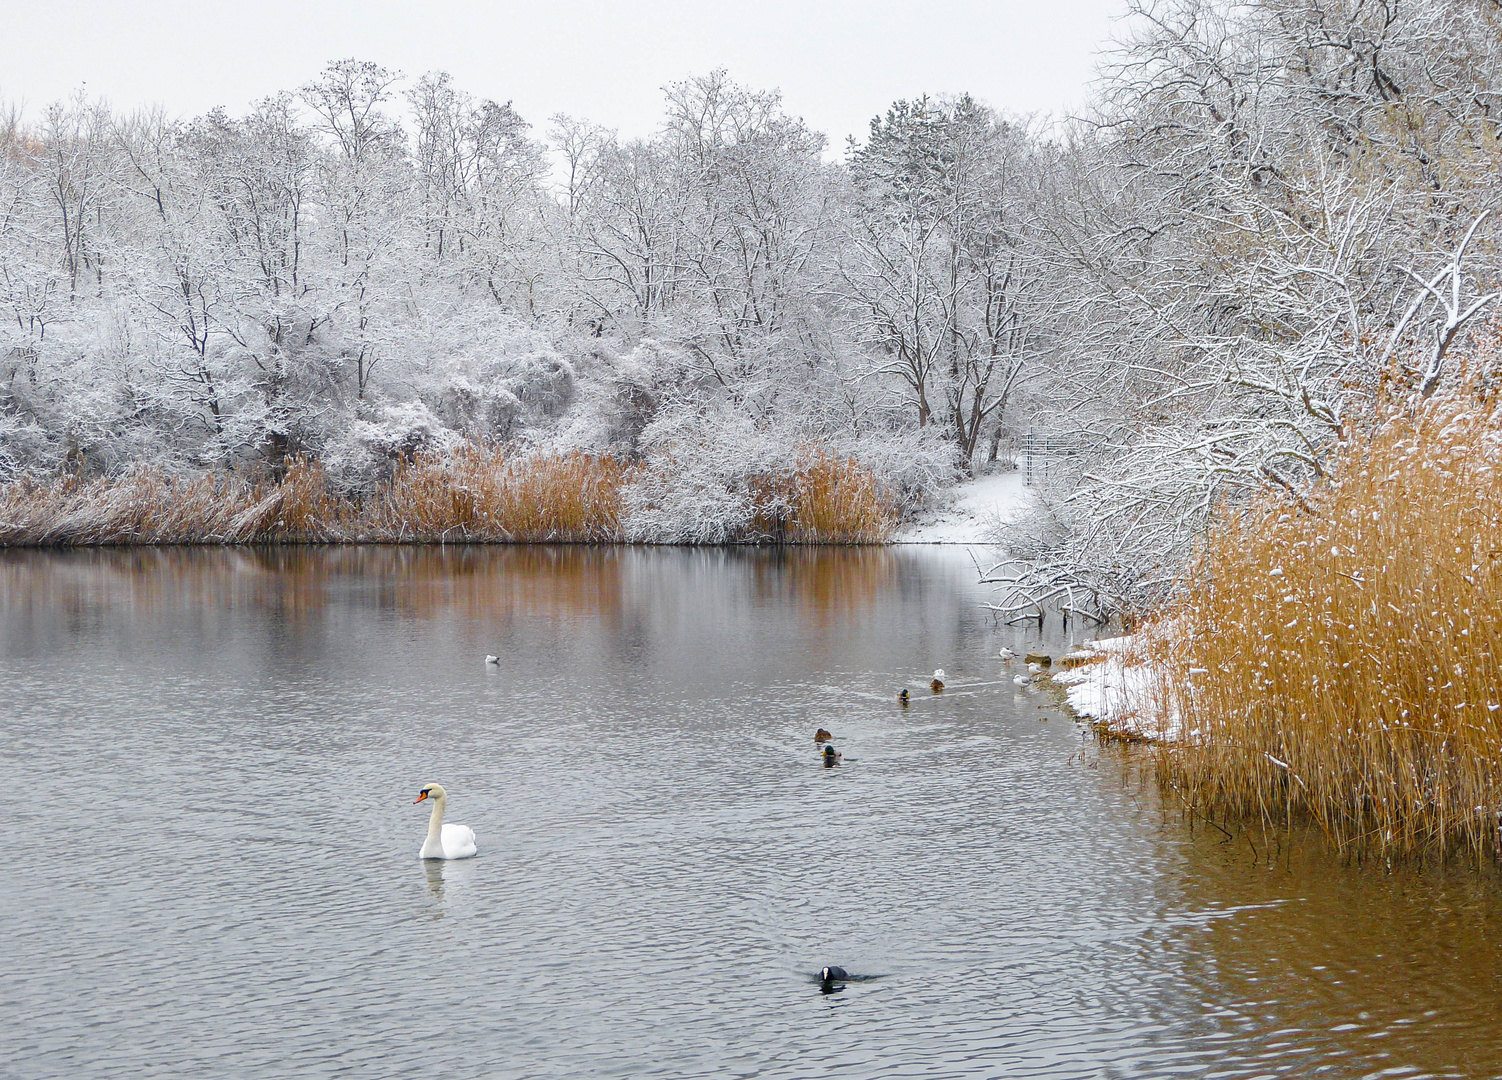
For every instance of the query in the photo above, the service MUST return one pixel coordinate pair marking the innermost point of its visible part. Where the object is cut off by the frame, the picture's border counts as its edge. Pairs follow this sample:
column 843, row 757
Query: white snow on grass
column 980, row 509
column 1115, row 689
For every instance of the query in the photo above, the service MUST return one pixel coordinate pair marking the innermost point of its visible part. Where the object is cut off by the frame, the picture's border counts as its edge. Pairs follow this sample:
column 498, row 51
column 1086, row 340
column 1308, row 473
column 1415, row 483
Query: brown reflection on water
column 1301, row 954
column 827, row 586
column 292, row 581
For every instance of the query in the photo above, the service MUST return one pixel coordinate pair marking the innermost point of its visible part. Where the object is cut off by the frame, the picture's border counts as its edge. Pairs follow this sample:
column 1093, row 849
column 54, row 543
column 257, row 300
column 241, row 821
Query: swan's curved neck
column 435, row 821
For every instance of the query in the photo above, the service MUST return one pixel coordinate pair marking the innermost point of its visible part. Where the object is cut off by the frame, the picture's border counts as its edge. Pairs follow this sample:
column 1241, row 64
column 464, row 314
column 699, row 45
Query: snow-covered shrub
column 369, row 451
column 623, row 396
column 710, row 475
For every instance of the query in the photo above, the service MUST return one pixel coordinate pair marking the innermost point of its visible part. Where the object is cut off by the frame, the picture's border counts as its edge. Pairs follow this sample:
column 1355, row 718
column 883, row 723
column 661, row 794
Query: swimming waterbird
column 445, row 840
column 829, row 976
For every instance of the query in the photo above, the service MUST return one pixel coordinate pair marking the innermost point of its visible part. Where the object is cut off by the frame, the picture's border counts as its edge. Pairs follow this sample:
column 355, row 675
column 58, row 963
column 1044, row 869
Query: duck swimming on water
column 938, row 681
column 822, row 736
column 831, row 755
column 902, row 696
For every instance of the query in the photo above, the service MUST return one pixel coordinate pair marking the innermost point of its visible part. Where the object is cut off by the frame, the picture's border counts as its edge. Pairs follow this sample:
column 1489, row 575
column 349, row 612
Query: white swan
column 444, row 841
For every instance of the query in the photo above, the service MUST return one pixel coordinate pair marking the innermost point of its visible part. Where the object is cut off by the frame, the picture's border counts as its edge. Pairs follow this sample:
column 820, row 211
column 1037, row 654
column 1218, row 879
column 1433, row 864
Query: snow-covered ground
column 980, row 509
column 1116, row 689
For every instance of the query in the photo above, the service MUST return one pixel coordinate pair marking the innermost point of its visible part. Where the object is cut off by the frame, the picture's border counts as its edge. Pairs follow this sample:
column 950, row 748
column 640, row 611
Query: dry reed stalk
column 839, row 501
column 1344, row 666
column 475, row 493
column 470, row 493
column 826, row 500
column 143, row 506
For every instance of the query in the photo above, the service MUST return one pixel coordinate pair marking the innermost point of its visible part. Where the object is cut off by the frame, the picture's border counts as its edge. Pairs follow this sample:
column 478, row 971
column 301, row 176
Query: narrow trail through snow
column 981, row 508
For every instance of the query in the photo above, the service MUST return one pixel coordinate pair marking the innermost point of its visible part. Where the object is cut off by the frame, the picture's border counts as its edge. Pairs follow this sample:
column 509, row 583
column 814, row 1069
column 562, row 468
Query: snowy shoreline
column 1112, row 686
column 977, row 514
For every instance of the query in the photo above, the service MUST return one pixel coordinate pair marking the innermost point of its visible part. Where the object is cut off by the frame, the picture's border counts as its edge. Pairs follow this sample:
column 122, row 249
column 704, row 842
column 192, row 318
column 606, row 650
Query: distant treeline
column 1268, row 212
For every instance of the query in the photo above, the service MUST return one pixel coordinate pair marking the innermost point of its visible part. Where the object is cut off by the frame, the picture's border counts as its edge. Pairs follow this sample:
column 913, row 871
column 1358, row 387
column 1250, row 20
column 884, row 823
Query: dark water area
column 208, row 852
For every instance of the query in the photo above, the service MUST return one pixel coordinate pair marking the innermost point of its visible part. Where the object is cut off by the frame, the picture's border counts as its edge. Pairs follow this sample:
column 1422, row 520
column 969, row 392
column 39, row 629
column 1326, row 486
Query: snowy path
column 980, row 508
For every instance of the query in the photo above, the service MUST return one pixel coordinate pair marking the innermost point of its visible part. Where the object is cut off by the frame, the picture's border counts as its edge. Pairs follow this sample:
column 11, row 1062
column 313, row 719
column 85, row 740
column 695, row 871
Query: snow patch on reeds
column 1118, row 688
column 1345, row 665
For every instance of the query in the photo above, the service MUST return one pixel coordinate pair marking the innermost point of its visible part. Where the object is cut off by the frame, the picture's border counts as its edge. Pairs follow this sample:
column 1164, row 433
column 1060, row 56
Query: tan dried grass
column 1343, row 666
column 840, row 501
column 147, row 506
column 471, row 493
column 828, row 499
column 477, row 493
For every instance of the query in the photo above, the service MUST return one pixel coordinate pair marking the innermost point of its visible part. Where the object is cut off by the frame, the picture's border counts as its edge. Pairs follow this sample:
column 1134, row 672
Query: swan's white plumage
column 454, row 842
column 444, row 841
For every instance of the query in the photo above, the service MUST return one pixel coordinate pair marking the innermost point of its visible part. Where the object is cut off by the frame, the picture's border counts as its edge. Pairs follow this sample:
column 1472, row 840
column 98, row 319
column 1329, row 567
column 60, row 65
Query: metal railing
column 1042, row 451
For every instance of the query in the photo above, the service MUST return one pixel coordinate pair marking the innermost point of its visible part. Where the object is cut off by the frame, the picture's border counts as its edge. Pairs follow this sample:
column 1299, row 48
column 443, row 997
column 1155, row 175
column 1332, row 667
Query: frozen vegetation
column 1269, row 215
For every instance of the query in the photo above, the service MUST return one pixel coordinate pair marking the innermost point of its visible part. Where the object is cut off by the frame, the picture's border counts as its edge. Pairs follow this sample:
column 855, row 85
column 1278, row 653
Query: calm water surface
column 208, row 849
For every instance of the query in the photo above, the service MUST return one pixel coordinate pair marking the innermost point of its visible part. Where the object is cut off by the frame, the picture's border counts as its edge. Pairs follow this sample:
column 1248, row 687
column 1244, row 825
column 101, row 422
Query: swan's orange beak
column 421, row 795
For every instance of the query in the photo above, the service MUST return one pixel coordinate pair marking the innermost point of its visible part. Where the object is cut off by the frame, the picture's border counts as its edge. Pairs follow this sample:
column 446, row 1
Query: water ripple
column 213, row 869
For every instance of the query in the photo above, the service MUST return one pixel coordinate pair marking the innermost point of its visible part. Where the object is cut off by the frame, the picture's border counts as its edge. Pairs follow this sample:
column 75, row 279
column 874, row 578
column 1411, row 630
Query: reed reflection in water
column 210, row 867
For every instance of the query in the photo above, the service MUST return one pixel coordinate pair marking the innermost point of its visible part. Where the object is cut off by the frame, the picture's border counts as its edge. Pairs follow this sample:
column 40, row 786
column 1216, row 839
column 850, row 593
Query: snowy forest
column 1270, row 217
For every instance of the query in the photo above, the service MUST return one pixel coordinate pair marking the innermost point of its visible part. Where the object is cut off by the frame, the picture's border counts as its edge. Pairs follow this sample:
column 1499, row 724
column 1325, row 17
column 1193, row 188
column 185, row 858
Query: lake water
column 208, row 849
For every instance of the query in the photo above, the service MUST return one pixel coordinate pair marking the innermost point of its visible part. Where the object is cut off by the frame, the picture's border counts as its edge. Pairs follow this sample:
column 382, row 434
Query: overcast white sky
column 837, row 62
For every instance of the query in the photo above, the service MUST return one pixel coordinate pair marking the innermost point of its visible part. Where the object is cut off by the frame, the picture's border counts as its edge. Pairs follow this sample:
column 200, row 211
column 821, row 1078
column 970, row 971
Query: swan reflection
column 433, row 868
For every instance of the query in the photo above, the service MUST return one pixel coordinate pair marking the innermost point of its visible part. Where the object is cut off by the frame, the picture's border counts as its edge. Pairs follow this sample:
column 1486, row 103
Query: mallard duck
column 938, row 681
column 902, row 696
column 822, row 736
column 831, row 755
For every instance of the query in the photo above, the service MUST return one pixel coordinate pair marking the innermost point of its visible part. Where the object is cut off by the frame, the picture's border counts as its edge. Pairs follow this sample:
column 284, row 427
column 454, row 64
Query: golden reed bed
column 1343, row 666
column 470, row 494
